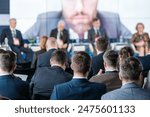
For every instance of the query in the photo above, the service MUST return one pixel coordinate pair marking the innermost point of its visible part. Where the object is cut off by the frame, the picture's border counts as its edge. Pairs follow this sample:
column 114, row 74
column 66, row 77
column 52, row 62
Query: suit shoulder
column 100, row 85
column 111, row 95
column 108, row 14
column 69, row 75
column 95, row 78
column 52, row 14
column 5, row 30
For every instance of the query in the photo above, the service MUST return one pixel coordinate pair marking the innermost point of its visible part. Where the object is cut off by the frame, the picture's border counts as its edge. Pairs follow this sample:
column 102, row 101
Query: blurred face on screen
column 79, row 13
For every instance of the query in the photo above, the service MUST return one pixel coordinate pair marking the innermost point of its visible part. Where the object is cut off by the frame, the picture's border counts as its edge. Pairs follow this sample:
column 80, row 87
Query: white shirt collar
column 99, row 52
column 78, row 77
column 12, row 29
column 111, row 69
column 4, row 74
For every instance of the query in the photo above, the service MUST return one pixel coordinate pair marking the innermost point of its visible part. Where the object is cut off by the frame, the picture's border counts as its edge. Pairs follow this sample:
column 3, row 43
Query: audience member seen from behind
column 79, row 88
column 125, row 52
column 10, row 86
column 139, row 39
column 43, row 59
column 145, row 60
column 130, row 71
column 97, row 61
column 61, row 35
column 15, row 41
column 111, row 75
column 46, row 78
column 43, row 41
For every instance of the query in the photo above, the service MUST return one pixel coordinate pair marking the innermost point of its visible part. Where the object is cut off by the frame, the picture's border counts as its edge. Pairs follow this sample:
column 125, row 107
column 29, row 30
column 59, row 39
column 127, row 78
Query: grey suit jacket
column 110, row 79
column 47, row 21
column 130, row 91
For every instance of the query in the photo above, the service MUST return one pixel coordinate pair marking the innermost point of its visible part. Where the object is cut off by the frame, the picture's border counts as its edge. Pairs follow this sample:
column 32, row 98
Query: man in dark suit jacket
column 130, row 74
column 79, row 88
column 44, row 58
column 97, row 61
column 111, row 76
column 96, row 32
column 46, row 78
column 15, row 41
column 61, row 34
column 10, row 86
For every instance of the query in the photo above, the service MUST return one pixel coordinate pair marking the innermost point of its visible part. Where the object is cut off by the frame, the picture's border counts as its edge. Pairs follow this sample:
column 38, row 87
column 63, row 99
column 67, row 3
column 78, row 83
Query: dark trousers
column 27, row 51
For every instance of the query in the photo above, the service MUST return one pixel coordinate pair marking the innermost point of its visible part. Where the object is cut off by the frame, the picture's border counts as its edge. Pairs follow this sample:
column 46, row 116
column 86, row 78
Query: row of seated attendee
column 52, row 82
column 50, row 62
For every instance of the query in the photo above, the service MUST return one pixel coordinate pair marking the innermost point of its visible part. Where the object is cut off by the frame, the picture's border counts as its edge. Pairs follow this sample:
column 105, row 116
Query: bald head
column 51, row 43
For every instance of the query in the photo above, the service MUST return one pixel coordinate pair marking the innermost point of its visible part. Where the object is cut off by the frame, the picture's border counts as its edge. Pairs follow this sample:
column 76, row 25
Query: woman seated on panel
column 139, row 39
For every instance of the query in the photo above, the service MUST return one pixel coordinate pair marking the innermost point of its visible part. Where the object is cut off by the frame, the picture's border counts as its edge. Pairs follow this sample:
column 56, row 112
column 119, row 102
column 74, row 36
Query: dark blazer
column 45, row 78
column 13, row 88
column 35, row 57
column 97, row 64
column 64, row 37
column 130, row 91
column 44, row 58
column 78, row 89
column 6, row 33
column 109, row 78
column 146, row 64
column 92, row 35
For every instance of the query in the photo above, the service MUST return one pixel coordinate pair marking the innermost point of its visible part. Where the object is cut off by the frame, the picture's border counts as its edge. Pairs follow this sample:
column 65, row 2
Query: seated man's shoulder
column 18, row 81
column 98, row 78
column 96, row 84
column 112, row 94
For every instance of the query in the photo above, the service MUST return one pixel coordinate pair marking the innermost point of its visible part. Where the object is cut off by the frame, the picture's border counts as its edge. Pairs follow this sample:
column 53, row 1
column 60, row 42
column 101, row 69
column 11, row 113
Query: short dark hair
column 82, row 62
column 102, row 44
column 111, row 58
column 130, row 69
column 60, row 57
column 7, row 61
column 126, row 52
column 96, row 19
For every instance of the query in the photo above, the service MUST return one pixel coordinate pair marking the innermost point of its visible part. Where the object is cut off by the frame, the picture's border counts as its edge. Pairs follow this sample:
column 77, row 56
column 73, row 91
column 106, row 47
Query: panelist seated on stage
column 61, row 34
column 96, row 31
column 140, row 39
column 15, row 41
